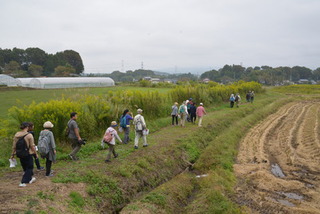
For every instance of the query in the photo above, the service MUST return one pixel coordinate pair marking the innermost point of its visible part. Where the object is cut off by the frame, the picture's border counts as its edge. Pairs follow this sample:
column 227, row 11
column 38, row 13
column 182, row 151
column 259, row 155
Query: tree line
column 264, row 74
column 33, row 62
column 139, row 74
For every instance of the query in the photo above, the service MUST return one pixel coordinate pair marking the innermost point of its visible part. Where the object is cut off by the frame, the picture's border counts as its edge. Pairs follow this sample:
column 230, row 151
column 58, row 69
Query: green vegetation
column 76, row 199
column 36, row 62
column 299, row 89
column 158, row 173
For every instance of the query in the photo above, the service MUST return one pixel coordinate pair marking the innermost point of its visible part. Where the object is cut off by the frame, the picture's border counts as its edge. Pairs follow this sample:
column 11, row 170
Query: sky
column 167, row 35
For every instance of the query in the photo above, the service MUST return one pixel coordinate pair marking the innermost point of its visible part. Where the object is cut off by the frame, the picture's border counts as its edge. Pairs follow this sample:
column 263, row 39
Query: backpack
column 237, row 98
column 182, row 109
column 123, row 122
column 138, row 125
column 43, row 146
column 232, row 99
column 107, row 137
column 22, row 149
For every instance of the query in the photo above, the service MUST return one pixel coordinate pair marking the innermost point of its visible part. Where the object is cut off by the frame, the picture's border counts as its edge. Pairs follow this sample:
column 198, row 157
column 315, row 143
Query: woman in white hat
column 46, row 137
column 112, row 142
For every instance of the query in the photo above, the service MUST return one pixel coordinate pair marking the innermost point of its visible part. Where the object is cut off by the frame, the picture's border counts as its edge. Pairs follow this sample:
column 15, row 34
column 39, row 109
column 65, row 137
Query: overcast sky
column 167, row 35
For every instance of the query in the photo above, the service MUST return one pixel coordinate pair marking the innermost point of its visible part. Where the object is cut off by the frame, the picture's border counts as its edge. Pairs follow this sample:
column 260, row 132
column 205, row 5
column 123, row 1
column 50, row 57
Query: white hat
column 139, row 110
column 48, row 124
column 201, row 104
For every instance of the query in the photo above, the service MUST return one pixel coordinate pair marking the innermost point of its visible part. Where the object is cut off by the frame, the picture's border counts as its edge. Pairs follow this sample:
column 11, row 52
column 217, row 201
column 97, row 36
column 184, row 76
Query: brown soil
column 278, row 162
column 14, row 198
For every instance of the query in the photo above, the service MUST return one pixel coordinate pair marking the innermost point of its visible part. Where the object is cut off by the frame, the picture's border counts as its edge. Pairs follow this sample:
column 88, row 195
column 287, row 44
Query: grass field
column 20, row 96
column 152, row 179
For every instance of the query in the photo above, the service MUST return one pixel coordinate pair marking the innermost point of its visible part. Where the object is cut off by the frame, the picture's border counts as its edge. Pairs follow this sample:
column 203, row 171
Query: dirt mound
column 278, row 162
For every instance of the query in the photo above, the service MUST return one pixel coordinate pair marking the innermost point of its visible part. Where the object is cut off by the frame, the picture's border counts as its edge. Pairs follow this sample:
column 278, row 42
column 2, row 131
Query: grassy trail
column 144, row 173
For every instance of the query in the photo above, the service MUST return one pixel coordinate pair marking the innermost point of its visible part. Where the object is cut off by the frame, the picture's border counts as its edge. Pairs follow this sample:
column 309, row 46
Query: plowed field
column 278, row 164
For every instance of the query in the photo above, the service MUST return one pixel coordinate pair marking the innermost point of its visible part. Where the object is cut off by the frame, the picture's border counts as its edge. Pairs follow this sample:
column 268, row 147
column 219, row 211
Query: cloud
column 162, row 34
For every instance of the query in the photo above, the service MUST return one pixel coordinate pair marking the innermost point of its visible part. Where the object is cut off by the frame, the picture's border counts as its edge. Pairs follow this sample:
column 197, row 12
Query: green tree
column 74, row 59
column 14, row 69
column 35, row 70
column 64, row 71
column 36, row 56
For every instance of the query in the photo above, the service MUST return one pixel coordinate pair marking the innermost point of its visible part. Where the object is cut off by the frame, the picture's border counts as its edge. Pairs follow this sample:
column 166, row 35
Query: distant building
column 303, row 81
column 206, row 80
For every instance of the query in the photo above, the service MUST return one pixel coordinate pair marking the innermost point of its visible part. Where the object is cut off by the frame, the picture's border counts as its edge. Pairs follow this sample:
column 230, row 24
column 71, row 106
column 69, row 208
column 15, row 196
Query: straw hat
column 114, row 124
column 139, row 111
column 48, row 125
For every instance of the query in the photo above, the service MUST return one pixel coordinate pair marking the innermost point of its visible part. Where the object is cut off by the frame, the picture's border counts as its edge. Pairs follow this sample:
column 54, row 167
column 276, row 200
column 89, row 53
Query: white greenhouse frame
column 70, row 82
column 8, row 80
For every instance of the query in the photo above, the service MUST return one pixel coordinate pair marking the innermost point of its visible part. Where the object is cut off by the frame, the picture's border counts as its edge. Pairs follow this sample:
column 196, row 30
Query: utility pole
column 122, row 66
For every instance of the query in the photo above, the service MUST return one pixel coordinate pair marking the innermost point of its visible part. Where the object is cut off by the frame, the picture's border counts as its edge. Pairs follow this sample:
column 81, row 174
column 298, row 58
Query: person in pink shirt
column 200, row 112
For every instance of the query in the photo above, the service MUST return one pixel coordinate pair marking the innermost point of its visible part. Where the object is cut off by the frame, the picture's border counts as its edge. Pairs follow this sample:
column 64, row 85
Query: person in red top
column 200, row 113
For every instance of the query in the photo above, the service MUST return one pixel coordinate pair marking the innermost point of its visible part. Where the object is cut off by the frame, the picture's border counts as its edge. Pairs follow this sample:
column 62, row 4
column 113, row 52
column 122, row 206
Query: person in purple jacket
column 126, row 127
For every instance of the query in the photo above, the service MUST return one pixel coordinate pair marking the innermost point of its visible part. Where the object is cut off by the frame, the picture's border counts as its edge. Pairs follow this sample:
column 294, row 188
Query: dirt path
column 278, row 162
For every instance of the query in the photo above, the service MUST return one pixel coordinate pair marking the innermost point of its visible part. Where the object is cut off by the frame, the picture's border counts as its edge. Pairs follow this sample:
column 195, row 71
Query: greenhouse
column 8, row 80
column 70, row 82
column 24, row 82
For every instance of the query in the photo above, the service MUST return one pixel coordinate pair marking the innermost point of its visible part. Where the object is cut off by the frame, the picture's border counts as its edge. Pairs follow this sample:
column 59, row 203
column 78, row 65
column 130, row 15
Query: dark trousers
column 111, row 151
column 126, row 135
column 36, row 160
column 48, row 165
column 231, row 104
column 193, row 118
column 27, row 166
column 174, row 117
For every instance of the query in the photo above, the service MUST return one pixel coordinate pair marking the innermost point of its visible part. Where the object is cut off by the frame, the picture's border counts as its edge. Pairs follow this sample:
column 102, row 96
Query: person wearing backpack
column 237, row 99
column 183, row 112
column 125, row 124
column 47, row 146
column 109, row 138
column 23, row 147
column 35, row 156
column 193, row 113
column 252, row 97
column 74, row 135
column 140, row 125
column 174, row 113
column 232, row 99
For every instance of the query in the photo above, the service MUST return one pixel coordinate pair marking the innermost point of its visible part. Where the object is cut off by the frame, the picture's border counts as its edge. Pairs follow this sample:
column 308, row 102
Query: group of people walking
column 187, row 111
column 24, row 146
column 25, row 149
column 235, row 99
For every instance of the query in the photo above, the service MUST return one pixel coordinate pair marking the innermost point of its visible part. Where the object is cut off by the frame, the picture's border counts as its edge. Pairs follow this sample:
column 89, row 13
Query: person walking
column 74, row 136
column 232, row 99
column 183, row 112
column 35, row 155
column 193, row 113
column 174, row 113
column 252, row 96
column 125, row 124
column 237, row 99
column 189, row 104
column 112, row 143
column 140, row 125
column 200, row 113
column 248, row 96
column 51, row 156
column 23, row 147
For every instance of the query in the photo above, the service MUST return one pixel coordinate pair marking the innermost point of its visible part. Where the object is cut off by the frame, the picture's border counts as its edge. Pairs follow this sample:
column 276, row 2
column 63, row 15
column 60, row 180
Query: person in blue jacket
column 126, row 125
